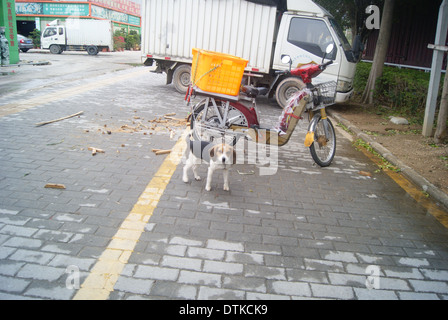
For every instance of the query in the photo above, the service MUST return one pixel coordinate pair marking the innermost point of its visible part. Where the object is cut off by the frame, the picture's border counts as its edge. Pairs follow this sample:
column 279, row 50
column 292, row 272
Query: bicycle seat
column 253, row 92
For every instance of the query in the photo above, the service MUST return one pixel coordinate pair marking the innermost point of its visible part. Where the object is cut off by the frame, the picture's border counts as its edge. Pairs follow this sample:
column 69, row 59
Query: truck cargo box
column 89, row 32
column 172, row 28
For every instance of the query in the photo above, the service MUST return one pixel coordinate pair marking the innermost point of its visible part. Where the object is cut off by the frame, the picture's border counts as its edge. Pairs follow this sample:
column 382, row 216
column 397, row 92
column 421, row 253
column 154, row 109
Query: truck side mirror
column 328, row 50
column 286, row 60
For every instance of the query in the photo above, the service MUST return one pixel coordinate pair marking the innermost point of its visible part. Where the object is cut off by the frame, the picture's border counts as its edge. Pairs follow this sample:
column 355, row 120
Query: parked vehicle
column 78, row 35
column 253, row 31
column 25, row 43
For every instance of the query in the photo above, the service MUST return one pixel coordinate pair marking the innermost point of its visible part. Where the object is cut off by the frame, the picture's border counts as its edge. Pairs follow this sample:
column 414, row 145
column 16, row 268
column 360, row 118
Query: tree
column 441, row 132
column 382, row 46
column 350, row 14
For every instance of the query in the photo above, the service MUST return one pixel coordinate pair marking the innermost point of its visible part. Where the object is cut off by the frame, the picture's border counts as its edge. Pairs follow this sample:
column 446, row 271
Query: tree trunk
column 382, row 46
column 441, row 132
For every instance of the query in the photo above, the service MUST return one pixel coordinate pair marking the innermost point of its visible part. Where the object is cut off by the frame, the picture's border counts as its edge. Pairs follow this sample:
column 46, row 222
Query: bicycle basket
column 326, row 93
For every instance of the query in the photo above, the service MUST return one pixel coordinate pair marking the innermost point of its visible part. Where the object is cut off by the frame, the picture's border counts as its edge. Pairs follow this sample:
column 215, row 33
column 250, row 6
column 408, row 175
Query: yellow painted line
column 105, row 273
column 23, row 105
column 416, row 193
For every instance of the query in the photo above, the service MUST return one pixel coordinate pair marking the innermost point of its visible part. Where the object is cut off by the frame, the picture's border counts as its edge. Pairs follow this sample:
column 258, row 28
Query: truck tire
column 286, row 89
column 181, row 78
column 92, row 50
column 55, row 49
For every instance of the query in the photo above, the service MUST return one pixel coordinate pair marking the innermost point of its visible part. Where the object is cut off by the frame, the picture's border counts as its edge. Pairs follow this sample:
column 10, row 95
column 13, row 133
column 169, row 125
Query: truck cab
column 304, row 33
column 53, row 38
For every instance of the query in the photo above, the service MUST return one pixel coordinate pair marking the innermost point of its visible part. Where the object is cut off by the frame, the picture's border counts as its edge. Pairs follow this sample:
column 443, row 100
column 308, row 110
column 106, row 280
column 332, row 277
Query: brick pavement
column 304, row 232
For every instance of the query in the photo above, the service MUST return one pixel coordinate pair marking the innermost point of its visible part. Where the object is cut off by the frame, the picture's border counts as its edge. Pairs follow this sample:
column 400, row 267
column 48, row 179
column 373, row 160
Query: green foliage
column 132, row 40
column 35, row 36
column 403, row 91
column 124, row 40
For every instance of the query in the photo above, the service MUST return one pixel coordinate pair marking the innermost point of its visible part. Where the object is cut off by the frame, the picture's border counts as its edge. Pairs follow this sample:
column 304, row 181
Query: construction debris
column 159, row 152
column 96, row 150
column 365, row 174
column 63, row 118
column 54, row 186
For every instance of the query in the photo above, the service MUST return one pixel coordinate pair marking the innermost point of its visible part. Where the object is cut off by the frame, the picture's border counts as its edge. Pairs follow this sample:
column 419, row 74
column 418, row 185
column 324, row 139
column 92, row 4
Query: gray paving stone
column 48, row 290
column 156, row 273
column 248, row 284
column 174, row 290
column 430, row 286
column 207, row 293
column 13, row 285
column 200, row 278
column 206, row 254
column 334, row 292
column 182, row 263
column 291, row 288
column 39, row 272
column 138, row 286
column 365, row 294
column 222, row 267
column 31, row 256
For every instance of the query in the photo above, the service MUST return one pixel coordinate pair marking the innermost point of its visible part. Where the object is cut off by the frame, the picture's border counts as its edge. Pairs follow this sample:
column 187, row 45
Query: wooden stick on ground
column 158, row 153
column 54, row 186
column 51, row 121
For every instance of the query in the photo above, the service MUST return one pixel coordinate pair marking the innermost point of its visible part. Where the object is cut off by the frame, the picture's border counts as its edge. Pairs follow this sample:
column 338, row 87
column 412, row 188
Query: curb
column 407, row 171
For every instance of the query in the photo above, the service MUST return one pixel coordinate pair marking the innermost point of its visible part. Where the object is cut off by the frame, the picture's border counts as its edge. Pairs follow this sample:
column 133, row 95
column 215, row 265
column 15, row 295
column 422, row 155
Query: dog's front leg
column 188, row 164
column 208, row 186
column 195, row 172
column 226, row 180
column 185, row 174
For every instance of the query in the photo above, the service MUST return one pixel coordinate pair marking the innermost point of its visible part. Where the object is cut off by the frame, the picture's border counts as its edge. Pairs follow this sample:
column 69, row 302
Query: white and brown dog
column 220, row 156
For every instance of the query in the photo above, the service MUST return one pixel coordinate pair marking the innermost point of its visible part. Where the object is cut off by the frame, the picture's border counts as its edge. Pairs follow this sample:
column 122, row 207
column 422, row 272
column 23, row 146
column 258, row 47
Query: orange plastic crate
column 217, row 72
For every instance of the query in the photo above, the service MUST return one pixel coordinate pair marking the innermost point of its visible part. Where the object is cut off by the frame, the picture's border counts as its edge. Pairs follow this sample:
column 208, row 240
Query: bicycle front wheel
column 323, row 148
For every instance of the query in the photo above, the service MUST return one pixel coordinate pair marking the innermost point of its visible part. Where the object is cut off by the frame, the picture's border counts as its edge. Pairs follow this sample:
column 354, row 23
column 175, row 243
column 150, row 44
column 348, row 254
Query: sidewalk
column 304, row 233
column 426, row 186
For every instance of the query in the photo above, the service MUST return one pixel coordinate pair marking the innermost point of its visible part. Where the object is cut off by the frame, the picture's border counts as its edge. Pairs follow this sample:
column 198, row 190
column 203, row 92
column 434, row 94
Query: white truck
column 260, row 31
column 78, row 35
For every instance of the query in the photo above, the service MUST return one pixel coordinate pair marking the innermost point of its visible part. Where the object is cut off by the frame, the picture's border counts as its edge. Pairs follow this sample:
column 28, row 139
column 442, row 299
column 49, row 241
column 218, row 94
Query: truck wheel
column 286, row 89
column 181, row 78
column 55, row 49
column 92, row 50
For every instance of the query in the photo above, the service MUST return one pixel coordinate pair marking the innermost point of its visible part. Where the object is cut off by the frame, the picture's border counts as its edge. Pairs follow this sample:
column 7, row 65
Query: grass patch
column 383, row 163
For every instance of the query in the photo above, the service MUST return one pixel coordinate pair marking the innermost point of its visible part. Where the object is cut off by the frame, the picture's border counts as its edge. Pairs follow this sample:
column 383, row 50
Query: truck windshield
column 342, row 38
column 344, row 42
column 50, row 32
column 311, row 35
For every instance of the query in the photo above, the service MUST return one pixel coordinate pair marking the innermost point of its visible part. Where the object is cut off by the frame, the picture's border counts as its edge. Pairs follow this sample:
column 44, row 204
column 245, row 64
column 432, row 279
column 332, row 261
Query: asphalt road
column 33, row 74
column 127, row 227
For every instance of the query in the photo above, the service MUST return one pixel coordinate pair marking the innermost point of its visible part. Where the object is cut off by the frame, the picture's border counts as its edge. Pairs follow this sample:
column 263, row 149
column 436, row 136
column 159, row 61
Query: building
column 36, row 14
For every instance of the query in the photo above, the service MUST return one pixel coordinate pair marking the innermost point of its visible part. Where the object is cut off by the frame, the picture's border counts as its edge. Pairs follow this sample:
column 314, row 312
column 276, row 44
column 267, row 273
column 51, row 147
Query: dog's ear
column 234, row 156
column 212, row 152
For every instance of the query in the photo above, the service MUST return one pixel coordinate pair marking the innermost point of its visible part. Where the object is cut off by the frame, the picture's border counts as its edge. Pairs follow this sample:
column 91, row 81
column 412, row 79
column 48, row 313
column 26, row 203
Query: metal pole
column 436, row 69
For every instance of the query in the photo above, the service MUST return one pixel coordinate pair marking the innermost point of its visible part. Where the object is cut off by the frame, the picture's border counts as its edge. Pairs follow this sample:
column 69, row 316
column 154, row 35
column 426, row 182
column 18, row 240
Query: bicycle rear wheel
column 209, row 120
column 323, row 148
